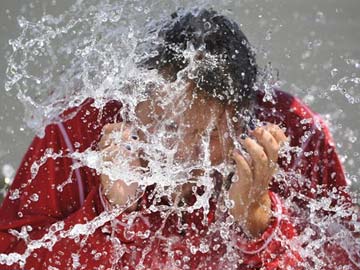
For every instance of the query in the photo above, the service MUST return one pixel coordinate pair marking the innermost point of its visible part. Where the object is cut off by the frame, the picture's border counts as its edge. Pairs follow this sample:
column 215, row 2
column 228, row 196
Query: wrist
column 255, row 217
column 259, row 215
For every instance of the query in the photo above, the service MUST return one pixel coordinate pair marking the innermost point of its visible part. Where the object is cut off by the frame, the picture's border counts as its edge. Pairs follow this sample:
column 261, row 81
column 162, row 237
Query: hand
column 250, row 192
column 118, row 192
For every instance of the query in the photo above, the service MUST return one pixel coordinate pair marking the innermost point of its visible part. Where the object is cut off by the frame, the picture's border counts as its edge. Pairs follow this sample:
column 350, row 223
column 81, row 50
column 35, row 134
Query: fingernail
column 236, row 151
column 243, row 136
column 252, row 125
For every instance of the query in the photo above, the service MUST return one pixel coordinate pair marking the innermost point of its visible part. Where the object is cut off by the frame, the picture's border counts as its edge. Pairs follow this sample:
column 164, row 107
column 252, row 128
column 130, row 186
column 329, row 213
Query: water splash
column 91, row 51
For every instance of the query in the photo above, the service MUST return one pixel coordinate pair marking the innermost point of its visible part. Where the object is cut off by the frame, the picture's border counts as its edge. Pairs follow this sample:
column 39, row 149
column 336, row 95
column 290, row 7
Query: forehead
column 184, row 102
column 185, row 93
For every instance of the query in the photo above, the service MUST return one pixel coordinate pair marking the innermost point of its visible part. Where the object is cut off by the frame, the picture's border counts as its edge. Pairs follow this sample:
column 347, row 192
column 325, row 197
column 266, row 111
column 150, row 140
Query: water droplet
column 352, row 139
column 207, row 25
column 229, row 204
column 14, row 194
column 320, row 17
column 268, row 35
column 8, row 171
column 334, row 72
column 203, row 248
column 77, row 145
column 34, row 197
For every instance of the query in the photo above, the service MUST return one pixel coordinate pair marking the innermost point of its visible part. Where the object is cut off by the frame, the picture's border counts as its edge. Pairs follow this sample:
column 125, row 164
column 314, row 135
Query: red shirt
column 68, row 196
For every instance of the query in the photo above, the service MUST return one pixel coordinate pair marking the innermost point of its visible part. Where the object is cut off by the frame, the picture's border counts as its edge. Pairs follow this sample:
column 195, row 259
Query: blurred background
column 313, row 44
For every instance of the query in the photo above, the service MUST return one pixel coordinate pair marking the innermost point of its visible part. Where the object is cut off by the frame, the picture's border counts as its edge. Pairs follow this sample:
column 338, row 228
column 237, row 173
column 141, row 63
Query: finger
column 105, row 182
column 111, row 153
column 277, row 133
column 122, row 127
column 239, row 191
column 104, row 142
column 242, row 166
column 108, row 128
column 109, row 137
column 268, row 142
column 120, row 192
column 108, row 140
column 260, row 161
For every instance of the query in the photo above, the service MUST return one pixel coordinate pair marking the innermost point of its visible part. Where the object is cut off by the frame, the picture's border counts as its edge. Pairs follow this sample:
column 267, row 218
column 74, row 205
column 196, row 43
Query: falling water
column 92, row 51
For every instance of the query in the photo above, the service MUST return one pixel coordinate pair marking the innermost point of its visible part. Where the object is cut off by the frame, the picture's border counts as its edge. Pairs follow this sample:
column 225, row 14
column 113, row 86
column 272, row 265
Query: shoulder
column 80, row 126
column 46, row 164
column 313, row 152
column 288, row 111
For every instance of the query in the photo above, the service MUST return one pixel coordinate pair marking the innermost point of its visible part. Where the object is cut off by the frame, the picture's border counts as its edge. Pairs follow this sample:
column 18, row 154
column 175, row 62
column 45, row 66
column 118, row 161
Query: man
column 253, row 231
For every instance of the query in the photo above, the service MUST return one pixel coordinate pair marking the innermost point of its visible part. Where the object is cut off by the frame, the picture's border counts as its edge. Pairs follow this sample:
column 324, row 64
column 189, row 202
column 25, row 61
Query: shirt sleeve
column 45, row 194
column 275, row 247
column 337, row 212
column 36, row 189
column 130, row 227
column 86, row 237
column 37, row 232
column 331, row 172
column 317, row 160
column 322, row 204
column 44, row 214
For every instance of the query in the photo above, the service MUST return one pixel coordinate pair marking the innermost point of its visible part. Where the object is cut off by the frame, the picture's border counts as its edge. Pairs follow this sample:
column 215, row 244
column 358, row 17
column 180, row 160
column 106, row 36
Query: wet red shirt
column 52, row 202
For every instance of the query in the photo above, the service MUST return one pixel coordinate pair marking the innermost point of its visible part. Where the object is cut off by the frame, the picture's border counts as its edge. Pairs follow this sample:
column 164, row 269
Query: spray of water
column 91, row 52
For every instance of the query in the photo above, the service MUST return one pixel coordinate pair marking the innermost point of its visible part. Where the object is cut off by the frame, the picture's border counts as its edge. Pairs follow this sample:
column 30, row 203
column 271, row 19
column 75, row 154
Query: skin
column 250, row 193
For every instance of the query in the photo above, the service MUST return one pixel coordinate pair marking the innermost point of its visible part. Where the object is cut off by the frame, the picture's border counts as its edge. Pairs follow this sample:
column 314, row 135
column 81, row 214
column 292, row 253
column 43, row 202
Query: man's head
column 223, row 65
column 219, row 68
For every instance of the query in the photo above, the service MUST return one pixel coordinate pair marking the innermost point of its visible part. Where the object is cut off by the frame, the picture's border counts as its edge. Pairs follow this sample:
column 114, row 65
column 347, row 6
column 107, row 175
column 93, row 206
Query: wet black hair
column 224, row 60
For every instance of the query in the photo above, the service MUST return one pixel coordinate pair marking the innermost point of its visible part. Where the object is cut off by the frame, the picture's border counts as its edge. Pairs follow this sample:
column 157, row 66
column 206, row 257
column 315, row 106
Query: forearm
column 259, row 215
column 254, row 218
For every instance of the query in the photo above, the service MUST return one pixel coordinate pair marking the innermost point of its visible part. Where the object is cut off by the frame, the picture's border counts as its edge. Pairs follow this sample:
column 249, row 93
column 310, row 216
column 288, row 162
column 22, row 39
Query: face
column 186, row 119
